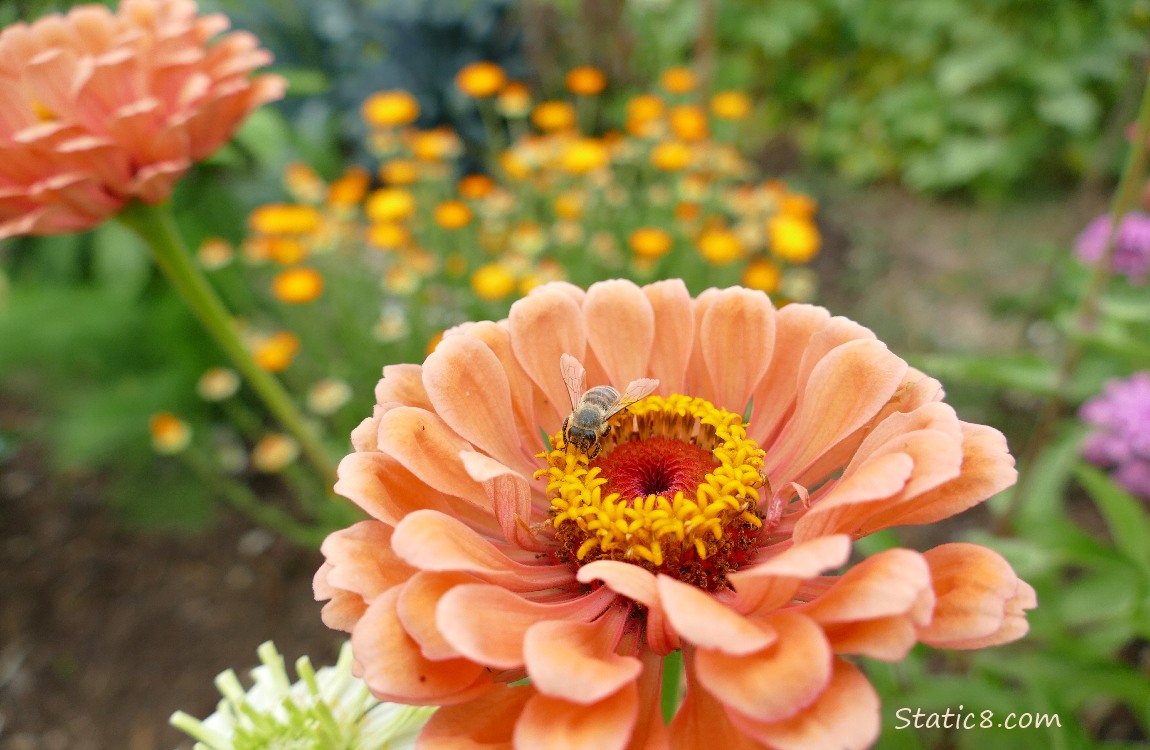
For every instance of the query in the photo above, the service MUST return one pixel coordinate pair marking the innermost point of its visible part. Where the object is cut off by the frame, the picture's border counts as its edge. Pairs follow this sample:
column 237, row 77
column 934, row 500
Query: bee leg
column 563, row 431
column 594, row 451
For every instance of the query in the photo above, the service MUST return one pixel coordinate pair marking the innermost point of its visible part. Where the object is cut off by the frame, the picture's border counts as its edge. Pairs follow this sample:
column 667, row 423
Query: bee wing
column 574, row 377
column 636, row 390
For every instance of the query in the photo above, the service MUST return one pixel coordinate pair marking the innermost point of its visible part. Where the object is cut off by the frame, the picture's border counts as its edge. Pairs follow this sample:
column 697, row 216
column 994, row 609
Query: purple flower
column 1131, row 246
column 1121, row 438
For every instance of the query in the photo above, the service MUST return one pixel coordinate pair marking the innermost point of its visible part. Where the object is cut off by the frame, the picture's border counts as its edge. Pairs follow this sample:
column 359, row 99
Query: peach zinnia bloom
column 100, row 108
column 491, row 557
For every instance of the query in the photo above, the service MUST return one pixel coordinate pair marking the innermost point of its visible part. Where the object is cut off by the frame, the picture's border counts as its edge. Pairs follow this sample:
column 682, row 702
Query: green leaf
column 957, row 74
column 1075, row 681
column 878, row 542
column 304, row 81
column 1131, row 309
column 1046, row 486
column 1025, row 372
column 1125, row 517
column 120, row 261
column 265, row 134
column 1073, row 109
column 61, row 257
column 1118, row 341
column 1109, row 593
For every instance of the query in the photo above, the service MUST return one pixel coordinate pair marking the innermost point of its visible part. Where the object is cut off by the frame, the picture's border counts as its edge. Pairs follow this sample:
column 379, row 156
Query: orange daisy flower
column 101, row 108
column 452, row 214
column 388, row 109
column 534, row 589
column 514, row 100
column 298, row 285
column 481, row 79
column 586, row 80
column 679, row 80
column 553, row 116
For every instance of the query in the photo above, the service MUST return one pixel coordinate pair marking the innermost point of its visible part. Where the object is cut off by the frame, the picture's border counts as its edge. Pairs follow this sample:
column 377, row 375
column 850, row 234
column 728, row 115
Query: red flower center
column 675, row 490
column 655, row 466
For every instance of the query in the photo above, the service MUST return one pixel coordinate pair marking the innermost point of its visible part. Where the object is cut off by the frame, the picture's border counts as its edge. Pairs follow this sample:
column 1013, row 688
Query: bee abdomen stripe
column 602, row 396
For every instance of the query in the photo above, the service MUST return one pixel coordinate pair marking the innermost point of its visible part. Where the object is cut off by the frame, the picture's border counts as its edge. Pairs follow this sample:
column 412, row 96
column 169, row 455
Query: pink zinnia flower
column 99, row 108
column 491, row 557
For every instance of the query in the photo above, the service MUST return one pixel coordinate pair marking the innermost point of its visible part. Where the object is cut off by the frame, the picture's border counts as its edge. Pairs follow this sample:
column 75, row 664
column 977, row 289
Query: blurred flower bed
column 667, row 194
column 944, row 96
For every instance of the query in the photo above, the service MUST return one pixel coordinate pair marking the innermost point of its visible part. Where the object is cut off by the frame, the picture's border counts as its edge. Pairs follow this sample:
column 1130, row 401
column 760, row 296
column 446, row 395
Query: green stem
column 1125, row 197
column 157, row 227
column 493, row 129
column 705, row 46
column 672, row 678
column 240, row 497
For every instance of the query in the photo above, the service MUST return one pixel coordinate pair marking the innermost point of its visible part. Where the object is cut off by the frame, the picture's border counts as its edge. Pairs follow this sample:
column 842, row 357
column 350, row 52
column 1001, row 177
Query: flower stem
column 493, row 129
column 240, row 497
column 157, row 227
column 1086, row 317
column 672, row 677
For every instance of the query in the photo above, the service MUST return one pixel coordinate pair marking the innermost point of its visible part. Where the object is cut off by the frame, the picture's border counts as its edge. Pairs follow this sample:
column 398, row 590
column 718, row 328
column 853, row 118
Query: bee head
column 581, row 437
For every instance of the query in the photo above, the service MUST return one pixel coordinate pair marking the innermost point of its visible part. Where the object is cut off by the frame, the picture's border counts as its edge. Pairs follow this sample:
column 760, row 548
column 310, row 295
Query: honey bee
column 587, row 423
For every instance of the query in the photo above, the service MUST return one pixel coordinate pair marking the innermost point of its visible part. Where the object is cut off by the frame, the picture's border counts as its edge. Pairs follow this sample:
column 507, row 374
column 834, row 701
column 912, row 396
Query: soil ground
column 105, row 632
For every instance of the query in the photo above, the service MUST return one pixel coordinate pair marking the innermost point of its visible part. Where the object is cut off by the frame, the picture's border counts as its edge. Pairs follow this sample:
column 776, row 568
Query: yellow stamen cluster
column 655, row 531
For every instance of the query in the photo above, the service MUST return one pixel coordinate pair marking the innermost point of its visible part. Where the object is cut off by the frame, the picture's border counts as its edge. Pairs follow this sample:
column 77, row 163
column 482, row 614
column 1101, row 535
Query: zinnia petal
column 709, row 624
column 359, row 567
column 425, row 444
column 639, row 586
column 702, row 722
column 874, row 607
column 981, row 602
column 774, row 582
column 431, row 540
column 576, row 660
column 674, row 330
column 393, row 664
column 845, row 717
column 485, row 723
column 488, row 623
column 738, row 323
column 510, row 498
column 416, row 610
column 620, row 329
column 987, row 469
column 380, row 485
column 403, row 385
column 523, row 393
column 749, row 684
column 563, row 725
column 551, row 310
column 845, row 389
column 468, row 388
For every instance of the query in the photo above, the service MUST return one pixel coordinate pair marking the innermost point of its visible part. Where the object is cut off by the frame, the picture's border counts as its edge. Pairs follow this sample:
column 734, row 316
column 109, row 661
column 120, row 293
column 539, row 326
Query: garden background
column 924, row 169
